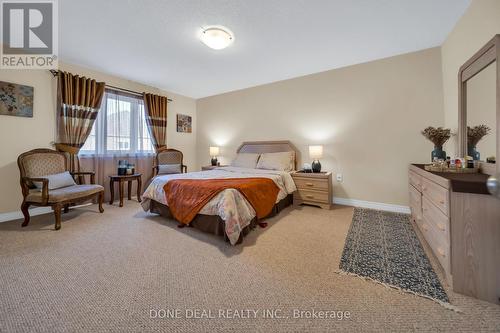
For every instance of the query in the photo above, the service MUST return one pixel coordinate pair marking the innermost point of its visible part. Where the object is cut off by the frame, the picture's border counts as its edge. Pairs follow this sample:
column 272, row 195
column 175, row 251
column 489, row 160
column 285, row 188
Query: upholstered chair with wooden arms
column 169, row 161
column 46, row 181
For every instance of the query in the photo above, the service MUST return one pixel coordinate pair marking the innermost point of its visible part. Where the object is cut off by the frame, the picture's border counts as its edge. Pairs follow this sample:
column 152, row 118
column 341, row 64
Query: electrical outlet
column 340, row 178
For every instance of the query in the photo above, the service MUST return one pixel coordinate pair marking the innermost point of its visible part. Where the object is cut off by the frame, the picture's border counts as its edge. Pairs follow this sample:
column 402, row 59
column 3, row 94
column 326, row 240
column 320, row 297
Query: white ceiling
column 155, row 42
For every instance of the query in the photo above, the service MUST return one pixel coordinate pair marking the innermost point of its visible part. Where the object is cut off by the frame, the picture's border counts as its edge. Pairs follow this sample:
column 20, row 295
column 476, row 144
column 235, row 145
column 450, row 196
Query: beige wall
column 367, row 116
column 21, row 134
column 478, row 25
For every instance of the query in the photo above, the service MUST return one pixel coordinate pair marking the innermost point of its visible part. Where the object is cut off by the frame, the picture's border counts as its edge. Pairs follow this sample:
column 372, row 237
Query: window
column 120, row 127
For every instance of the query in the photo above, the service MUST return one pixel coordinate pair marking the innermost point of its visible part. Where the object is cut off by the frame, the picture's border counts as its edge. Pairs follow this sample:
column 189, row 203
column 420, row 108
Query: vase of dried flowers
column 474, row 135
column 438, row 153
column 438, row 136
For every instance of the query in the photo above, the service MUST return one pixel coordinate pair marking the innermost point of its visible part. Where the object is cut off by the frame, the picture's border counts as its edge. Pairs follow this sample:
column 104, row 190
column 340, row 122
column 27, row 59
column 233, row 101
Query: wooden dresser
column 460, row 221
column 313, row 189
column 430, row 211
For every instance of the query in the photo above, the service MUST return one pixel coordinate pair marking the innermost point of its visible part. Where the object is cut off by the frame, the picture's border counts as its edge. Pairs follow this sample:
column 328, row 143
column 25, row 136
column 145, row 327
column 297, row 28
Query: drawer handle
column 424, row 226
column 441, row 252
column 441, row 202
column 309, row 196
column 309, row 184
column 441, row 227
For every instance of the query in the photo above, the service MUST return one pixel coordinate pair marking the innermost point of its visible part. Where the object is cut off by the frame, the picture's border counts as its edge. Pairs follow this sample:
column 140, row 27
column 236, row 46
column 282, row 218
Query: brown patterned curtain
column 156, row 118
column 79, row 100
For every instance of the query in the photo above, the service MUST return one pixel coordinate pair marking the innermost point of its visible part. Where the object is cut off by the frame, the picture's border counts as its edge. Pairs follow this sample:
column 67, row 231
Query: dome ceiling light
column 216, row 37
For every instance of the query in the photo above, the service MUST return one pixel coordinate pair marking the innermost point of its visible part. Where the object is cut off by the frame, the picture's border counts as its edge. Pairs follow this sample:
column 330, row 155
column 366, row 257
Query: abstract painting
column 184, row 123
column 16, row 100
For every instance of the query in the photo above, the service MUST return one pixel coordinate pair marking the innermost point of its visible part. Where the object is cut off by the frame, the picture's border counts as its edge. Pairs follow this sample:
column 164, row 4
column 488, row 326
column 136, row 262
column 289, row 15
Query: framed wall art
column 16, row 100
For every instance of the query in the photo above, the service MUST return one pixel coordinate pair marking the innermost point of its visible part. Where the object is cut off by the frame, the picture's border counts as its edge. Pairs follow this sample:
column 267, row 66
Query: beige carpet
column 105, row 272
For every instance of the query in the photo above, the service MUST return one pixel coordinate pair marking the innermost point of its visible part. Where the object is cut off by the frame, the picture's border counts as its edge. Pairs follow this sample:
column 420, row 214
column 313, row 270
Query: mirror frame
column 487, row 55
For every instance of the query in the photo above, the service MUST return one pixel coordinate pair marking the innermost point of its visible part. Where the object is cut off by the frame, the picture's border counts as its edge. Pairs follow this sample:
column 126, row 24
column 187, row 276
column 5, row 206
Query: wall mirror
column 479, row 107
column 481, row 114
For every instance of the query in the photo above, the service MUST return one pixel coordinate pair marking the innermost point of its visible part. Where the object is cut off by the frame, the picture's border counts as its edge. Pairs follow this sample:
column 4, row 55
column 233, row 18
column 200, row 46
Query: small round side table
column 122, row 179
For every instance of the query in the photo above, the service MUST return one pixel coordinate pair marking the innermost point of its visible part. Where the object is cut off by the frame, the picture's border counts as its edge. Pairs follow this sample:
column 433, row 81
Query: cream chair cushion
column 65, row 193
column 58, row 180
column 166, row 169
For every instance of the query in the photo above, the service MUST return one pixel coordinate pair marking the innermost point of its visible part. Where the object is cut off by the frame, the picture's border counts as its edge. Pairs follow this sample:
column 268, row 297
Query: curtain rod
column 55, row 72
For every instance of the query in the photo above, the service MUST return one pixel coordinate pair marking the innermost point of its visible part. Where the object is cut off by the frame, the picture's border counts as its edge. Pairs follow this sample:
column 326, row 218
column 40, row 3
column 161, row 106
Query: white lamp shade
column 214, row 151
column 316, row 152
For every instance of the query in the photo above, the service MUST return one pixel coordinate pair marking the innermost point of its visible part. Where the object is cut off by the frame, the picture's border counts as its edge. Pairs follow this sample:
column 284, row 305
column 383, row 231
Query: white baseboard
column 5, row 217
column 372, row 205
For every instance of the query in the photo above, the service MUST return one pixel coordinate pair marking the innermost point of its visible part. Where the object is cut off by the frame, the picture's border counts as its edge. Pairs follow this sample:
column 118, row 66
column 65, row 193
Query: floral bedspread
column 229, row 204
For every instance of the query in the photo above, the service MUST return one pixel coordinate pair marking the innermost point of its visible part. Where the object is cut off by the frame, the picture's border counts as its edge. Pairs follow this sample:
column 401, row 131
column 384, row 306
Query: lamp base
column 214, row 161
column 316, row 166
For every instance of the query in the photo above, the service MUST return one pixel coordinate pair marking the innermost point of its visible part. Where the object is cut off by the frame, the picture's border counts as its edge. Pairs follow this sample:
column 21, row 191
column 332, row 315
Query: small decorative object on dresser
column 313, row 189
column 438, row 136
column 214, row 152
column 316, row 152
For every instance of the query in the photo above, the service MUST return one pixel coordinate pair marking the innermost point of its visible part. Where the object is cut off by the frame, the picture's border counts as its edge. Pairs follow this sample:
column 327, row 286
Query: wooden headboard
column 260, row 147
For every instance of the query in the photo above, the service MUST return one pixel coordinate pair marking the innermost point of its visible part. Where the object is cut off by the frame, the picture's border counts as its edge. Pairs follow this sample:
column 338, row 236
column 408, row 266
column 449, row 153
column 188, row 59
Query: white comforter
column 229, row 204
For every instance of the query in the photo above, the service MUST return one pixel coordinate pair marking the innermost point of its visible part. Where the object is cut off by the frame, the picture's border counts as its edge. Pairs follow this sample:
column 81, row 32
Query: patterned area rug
column 383, row 246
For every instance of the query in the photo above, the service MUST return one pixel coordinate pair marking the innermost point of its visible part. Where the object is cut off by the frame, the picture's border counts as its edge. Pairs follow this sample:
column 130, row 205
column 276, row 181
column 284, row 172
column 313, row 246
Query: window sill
column 120, row 154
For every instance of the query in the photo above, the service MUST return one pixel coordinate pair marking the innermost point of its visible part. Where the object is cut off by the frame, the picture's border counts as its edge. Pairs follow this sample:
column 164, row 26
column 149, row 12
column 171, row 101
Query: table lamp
column 214, row 152
column 315, row 153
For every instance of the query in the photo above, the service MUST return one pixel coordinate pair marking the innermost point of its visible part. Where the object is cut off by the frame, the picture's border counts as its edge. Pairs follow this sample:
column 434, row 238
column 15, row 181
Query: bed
column 229, row 213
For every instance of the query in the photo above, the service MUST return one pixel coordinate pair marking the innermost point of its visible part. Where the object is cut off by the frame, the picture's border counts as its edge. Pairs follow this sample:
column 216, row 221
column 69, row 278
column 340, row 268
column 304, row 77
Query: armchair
column 169, row 157
column 35, row 166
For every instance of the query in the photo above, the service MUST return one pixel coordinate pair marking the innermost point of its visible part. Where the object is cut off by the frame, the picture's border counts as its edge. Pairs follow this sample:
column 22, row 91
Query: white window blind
column 120, row 127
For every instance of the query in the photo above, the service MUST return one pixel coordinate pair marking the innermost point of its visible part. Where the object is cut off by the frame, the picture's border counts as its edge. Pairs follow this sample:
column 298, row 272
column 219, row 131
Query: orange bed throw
column 186, row 197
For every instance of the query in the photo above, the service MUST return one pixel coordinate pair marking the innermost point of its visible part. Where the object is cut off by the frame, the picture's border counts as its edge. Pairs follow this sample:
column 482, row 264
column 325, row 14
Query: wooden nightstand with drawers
column 313, row 189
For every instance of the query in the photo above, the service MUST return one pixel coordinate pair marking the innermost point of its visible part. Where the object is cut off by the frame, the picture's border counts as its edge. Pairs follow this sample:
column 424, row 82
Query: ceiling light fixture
column 216, row 37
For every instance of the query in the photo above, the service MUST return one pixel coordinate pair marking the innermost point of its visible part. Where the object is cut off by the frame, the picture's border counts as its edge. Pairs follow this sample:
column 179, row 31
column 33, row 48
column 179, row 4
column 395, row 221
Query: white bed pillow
column 167, row 169
column 245, row 160
column 283, row 161
column 57, row 180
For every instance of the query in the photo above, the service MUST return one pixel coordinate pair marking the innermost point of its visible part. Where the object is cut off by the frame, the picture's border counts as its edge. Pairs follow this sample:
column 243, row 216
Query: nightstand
column 313, row 189
column 211, row 167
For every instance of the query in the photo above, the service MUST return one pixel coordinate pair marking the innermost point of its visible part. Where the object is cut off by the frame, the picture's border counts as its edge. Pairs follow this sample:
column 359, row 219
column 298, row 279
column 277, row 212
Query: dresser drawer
column 308, row 195
column 415, row 180
column 415, row 203
column 440, row 247
column 437, row 194
column 312, row 184
column 436, row 218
